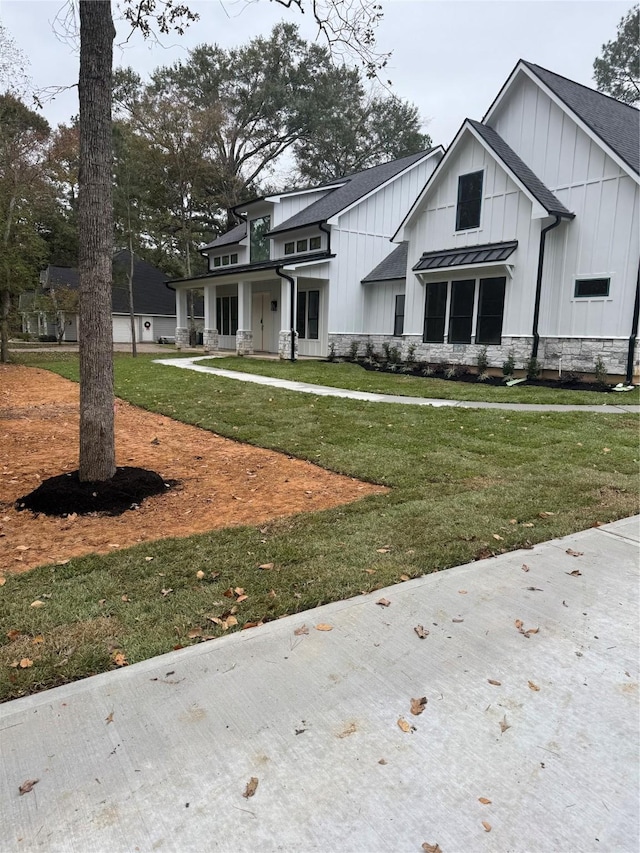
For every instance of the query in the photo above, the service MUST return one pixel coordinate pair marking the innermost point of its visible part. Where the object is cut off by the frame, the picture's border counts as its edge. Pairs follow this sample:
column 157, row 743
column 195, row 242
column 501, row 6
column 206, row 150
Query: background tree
column 24, row 193
column 59, row 227
column 617, row 70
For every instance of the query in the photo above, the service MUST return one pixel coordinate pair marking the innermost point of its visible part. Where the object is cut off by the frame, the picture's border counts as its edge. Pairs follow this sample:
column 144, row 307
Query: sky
column 448, row 58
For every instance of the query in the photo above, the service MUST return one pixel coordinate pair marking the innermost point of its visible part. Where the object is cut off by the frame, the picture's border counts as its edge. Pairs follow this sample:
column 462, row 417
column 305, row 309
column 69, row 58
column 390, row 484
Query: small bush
column 482, row 362
column 369, row 352
column 411, row 354
column 332, row 352
column 482, row 377
column 452, row 371
column 509, row 366
column 386, row 350
column 428, row 370
column 354, row 346
column 600, row 371
column 533, row 368
column 394, row 355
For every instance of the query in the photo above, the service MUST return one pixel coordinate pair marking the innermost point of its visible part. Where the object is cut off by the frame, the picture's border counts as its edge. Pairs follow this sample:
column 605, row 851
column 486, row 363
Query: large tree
column 617, row 70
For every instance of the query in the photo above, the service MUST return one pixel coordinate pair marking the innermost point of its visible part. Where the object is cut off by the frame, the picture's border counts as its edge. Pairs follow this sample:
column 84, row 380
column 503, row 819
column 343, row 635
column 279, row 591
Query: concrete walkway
column 326, row 391
column 529, row 667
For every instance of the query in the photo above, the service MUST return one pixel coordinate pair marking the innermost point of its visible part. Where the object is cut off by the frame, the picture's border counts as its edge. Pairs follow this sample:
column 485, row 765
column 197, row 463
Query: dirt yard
column 223, row 483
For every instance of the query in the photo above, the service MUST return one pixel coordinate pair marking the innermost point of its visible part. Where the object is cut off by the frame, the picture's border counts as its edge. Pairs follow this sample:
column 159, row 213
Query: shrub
column 452, row 371
column 411, row 354
column 386, row 349
column 394, row 355
column 354, row 346
column 482, row 362
column 600, row 370
column 428, row 370
column 332, row 352
column 509, row 366
column 533, row 367
column 369, row 352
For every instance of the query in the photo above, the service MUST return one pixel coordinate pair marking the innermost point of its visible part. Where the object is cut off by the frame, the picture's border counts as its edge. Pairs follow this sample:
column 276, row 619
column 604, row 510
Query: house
column 153, row 303
column 525, row 239
column 295, row 262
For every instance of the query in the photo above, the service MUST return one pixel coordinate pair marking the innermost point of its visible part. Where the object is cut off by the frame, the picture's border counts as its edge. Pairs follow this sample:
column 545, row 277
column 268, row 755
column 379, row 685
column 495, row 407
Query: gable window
column 434, row 312
column 469, row 201
column 258, row 241
column 217, row 262
column 225, row 260
column 301, row 246
column 490, row 310
column 398, row 317
column 461, row 312
column 227, row 314
column 308, row 314
column 314, row 243
column 289, row 248
column 592, row 287
column 233, row 259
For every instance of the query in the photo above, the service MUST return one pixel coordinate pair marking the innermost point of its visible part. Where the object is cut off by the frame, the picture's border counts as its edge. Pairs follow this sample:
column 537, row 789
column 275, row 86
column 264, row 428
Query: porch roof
column 489, row 253
column 239, row 270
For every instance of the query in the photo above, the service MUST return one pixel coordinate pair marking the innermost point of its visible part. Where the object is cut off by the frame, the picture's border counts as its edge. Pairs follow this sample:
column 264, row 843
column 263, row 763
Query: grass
column 459, row 478
column 356, row 378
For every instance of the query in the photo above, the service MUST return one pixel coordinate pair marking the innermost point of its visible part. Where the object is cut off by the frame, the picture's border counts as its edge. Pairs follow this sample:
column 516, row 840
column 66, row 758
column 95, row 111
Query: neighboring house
column 297, row 260
column 525, row 239
column 153, row 303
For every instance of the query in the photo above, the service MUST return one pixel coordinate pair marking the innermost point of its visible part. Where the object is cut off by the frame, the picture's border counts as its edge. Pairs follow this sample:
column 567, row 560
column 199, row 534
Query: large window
column 490, row 310
column 398, row 317
column 469, row 201
column 592, row 287
column 227, row 314
column 458, row 315
column 461, row 312
column 308, row 314
column 434, row 312
column 258, row 241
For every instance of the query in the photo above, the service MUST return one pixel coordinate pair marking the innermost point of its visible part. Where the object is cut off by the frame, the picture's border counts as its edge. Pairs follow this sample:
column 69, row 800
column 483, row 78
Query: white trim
column 522, row 68
column 275, row 199
column 449, row 271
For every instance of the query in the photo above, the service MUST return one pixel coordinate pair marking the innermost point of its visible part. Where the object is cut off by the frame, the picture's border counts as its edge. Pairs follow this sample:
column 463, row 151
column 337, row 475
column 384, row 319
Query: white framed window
column 592, row 288
column 464, row 310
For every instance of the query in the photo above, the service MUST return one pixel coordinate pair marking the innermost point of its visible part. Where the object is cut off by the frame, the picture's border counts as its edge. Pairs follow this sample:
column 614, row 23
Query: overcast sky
column 449, row 58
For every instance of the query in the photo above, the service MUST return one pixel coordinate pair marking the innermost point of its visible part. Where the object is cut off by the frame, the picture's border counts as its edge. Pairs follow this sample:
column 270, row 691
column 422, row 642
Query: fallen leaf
column 119, row 659
column 519, row 623
column 573, row 553
column 239, row 590
column 405, row 726
column 370, row 571
column 525, row 567
column 25, row 663
column 299, row 632
column 417, row 706
column 497, row 536
column 252, row 625
column 13, row 634
column 228, row 593
column 148, row 559
column 165, row 592
column 323, row 627
column 576, row 573
column 487, row 826
column 2, row 581
column 37, row 640
column 22, row 547
column 229, row 622
column 109, row 719
column 504, row 725
column 484, row 801
column 531, row 631
column 266, row 566
column 457, row 620
column 200, row 575
column 431, row 848
column 462, row 592
column 534, row 589
column 250, row 790
column 125, row 598
column 27, row 786
column 545, row 514
column 404, row 577
column 382, row 761
column 62, row 562
column 421, row 631
column 513, row 521
column 37, row 603
column 383, row 602
column 384, row 550
column 272, row 593
column 194, row 632
column 533, row 686
column 495, row 683
column 606, row 450
column 349, row 730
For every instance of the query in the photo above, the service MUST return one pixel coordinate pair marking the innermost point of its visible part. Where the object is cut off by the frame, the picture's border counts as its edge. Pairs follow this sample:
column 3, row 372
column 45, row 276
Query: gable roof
column 614, row 124
column 394, row 266
column 520, row 169
column 231, row 237
column 150, row 295
column 352, row 188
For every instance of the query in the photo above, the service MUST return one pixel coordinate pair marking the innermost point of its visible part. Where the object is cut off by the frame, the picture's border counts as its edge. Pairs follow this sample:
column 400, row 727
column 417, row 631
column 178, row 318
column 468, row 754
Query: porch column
column 210, row 335
column 288, row 292
column 182, row 318
column 244, row 335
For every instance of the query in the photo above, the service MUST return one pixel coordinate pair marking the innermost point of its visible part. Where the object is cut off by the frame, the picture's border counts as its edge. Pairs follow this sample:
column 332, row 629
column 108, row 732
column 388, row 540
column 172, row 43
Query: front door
column 262, row 322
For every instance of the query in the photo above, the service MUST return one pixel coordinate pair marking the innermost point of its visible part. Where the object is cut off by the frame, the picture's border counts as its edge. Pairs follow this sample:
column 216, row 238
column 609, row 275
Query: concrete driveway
column 528, row 740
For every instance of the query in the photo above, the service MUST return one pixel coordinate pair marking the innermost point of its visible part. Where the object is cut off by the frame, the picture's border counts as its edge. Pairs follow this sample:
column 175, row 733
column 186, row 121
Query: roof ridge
column 534, row 65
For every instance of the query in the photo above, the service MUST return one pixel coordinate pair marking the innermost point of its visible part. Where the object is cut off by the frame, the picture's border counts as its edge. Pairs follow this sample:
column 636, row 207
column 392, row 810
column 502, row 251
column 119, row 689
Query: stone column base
column 210, row 339
column 244, row 342
column 284, row 344
column 182, row 338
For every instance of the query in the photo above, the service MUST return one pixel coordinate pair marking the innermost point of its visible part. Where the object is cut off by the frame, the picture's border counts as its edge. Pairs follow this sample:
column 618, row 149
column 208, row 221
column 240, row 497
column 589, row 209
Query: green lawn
column 357, row 378
column 464, row 483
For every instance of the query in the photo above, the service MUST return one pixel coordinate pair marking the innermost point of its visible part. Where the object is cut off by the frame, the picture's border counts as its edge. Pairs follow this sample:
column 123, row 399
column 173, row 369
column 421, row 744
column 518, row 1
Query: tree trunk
column 97, row 439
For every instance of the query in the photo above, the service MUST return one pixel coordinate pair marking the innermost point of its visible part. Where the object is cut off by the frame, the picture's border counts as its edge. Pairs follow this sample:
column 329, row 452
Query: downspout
column 293, row 309
column 634, row 333
column 536, row 306
column 323, row 227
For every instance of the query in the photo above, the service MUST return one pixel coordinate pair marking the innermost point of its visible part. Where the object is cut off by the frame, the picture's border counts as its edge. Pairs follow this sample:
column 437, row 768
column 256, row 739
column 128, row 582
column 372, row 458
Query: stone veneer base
column 284, row 344
column 244, row 342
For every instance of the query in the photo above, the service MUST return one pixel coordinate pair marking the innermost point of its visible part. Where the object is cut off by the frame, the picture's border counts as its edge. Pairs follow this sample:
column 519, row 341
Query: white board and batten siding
column 380, row 306
column 360, row 239
column 604, row 238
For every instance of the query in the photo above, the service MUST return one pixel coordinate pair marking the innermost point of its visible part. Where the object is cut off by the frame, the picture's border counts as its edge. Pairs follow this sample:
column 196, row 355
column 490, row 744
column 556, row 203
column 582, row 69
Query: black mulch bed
column 65, row 494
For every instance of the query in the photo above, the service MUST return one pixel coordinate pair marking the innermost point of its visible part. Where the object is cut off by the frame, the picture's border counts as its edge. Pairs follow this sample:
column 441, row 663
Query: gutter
column 322, row 226
column 634, row 332
column 291, row 281
column 536, row 305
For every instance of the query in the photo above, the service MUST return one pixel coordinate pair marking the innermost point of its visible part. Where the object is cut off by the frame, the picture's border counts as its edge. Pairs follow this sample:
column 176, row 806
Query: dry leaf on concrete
column 573, row 553
column 421, row 631
column 431, row 848
column 504, row 725
column 405, row 726
column 27, row 786
column 323, row 627
column 250, row 790
column 487, row 826
column 417, row 706
column 301, row 630
column 495, row 683
column 484, row 801
column 533, row 686
column 383, row 602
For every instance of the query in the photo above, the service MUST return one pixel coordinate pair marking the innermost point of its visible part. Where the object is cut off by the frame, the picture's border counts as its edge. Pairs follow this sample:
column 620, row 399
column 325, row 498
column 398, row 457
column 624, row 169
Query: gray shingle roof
column 355, row 186
column 617, row 124
column 231, row 237
column 445, row 258
column 394, row 266
column 520, row 169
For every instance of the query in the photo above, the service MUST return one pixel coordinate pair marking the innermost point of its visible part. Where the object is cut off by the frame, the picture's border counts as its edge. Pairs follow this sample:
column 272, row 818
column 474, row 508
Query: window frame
column 459, row 317
column 463, row 205
column 398, row 316
column 227, row 315
column 479, row 316
column 287, row 250
column 587, row 280
column 302, row 246
column 318, row 244
column 429, row 287
column 258, row 241
column 308, row 314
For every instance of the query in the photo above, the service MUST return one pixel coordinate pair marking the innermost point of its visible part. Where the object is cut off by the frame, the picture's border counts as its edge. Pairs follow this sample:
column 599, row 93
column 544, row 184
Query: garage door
column 121, row 330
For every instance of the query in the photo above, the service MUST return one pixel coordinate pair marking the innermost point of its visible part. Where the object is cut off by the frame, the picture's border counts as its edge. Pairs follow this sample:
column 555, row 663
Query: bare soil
column 222, row 483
